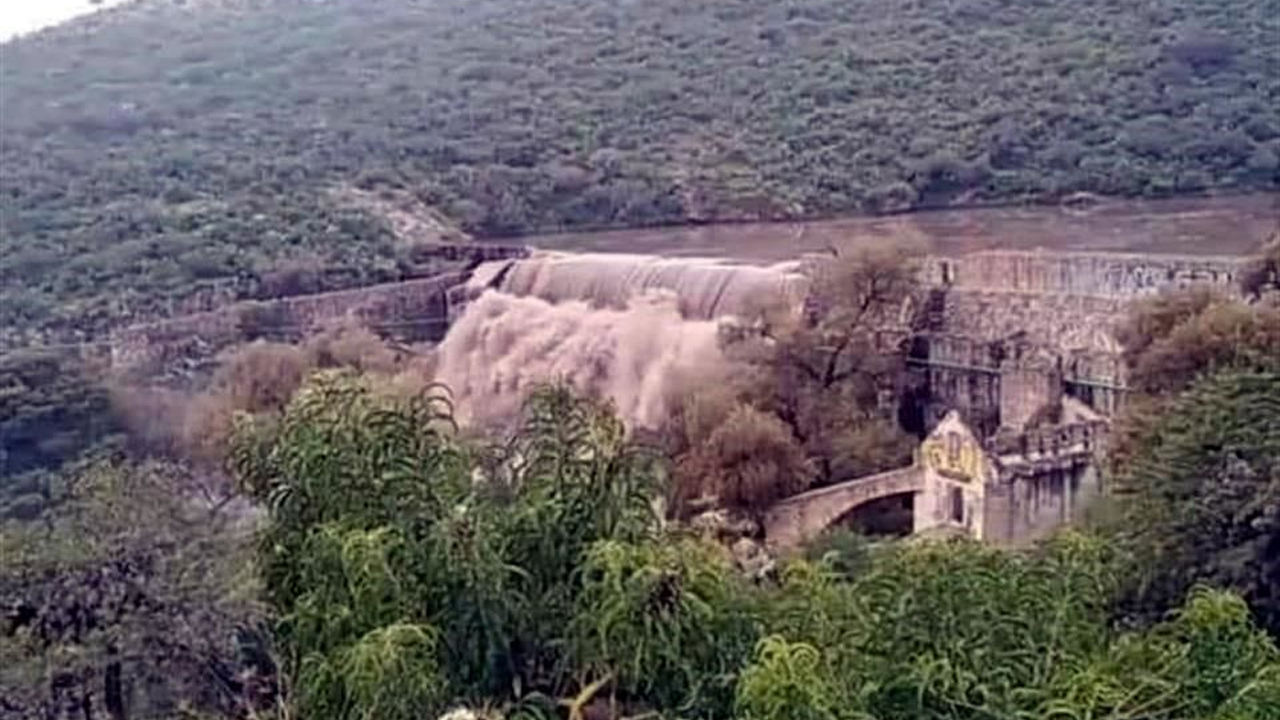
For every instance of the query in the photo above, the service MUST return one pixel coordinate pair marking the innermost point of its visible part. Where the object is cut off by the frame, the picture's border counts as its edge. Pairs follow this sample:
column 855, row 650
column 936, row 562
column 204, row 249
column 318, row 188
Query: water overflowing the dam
column 704, row 288
column 633, row 328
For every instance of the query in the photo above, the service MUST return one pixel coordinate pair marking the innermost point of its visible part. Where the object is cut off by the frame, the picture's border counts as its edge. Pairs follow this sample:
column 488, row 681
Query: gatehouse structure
column 1012, row 375
column 1010, row 489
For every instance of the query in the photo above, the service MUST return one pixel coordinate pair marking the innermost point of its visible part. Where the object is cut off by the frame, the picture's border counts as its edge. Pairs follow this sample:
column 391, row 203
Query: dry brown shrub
column 1153, row 319
column 415, row 375
column 206, row 428
column 152, row 416
column 1261, row 274
column 748, row 462
column 1174, row 339
column 261, row 376
column 870, row 447
column 301, row 275
column 702, row 412
column 170, row 423
column 348, row 343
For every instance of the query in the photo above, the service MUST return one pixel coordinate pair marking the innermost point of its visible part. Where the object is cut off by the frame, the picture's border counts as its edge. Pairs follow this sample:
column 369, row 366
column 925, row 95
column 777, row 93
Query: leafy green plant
column 1199, row 497
column 663, row 621
column 789, row 681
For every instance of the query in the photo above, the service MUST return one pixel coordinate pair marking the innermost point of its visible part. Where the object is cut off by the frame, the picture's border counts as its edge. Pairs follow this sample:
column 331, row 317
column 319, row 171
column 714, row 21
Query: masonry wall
column 412, row 310
column 1045, row 478
column 1027, row 509
column 1081, row 273
column 1068, row 322
column 952, row 372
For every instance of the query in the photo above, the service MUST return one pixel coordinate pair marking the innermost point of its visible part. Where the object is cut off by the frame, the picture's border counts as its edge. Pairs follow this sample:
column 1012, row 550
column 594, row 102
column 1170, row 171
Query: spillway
column 704, row 288
column 641, row 330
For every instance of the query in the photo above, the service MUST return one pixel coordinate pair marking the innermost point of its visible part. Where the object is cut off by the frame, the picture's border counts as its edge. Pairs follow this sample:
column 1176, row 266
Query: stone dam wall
column 1079, row 273
column 410, row 311
column 413, row 311
column 1064, row 301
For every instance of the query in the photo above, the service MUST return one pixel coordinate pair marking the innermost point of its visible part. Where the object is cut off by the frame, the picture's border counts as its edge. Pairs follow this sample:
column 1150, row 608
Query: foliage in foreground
column 544, row 582
column 1196, row 483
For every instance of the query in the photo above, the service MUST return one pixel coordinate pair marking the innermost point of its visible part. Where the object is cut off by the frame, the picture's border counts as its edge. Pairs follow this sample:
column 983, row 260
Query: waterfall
column 638, row 329
column 705, row 288
column 639, row 356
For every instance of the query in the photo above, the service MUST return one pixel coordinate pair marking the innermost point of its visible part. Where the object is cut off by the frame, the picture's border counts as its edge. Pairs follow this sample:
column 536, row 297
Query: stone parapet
column 416, row 308
column 1082, row 273
column 1028, row 446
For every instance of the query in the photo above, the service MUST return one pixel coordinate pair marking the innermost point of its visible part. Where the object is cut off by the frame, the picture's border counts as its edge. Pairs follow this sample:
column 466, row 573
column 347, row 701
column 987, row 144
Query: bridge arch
column 801, row 517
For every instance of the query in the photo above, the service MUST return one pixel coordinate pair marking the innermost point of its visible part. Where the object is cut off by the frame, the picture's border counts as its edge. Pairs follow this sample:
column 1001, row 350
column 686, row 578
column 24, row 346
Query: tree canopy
column 1201, row 497
column 406, row 568
column 405, row 582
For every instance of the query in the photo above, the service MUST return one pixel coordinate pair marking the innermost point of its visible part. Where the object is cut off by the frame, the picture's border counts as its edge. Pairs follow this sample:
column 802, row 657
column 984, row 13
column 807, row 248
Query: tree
column 52, row 409
column 1262, row 273
column 1174, row 338
column 1201, row 496
column 747, row 462
column 959, row 631
column 395, row 546
column 828, row 372
column 129, row 598
column 664, row 622
column 357, row 489
column 410, row 567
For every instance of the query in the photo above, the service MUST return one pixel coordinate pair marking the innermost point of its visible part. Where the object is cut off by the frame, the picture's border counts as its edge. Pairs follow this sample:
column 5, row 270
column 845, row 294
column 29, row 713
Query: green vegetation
column 52, row 407
column 53, row 410
column 171, row 154
column 127, row 599
column 1202, row 495
column 1194, row 454
column 310, row 535
column 407, row 568
column 402, row 587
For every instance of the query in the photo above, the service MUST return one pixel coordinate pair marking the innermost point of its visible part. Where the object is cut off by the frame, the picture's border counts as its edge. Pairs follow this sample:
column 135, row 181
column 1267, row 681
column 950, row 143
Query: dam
column 998, row 341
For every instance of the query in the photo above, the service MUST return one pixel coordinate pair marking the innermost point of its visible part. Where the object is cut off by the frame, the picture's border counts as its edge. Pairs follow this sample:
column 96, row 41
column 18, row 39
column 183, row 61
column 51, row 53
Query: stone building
column 1011, row 489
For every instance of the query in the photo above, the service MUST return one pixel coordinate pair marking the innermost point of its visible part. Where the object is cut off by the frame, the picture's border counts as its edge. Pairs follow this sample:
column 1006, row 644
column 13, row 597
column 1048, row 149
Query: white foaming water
column 705, row 288
column 636, row 328
column 504, row 345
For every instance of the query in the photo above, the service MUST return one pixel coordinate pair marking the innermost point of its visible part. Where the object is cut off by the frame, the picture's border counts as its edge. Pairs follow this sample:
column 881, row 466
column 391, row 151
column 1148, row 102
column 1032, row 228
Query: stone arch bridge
column 1010, row 489
column 801, row 517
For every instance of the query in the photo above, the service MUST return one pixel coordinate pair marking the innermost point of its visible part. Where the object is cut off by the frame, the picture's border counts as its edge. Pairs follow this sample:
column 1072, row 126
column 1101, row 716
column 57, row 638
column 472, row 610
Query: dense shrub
column 53, row 409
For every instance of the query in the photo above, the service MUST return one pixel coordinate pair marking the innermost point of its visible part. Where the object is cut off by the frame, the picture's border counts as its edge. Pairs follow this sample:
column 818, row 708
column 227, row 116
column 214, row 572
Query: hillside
column 161, row 155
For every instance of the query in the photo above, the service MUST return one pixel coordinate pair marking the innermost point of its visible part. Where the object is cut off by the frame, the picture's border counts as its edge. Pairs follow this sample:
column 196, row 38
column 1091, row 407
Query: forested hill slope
column 161, row 149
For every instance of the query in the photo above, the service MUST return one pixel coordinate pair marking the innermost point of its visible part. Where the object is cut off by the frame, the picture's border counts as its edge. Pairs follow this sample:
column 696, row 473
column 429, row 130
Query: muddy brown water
column 1186, row 226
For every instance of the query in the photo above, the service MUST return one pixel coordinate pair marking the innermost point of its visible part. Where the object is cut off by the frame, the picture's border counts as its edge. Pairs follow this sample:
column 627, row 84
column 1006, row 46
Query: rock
column 723, row 525
column 752, row 559
column 710, row 522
